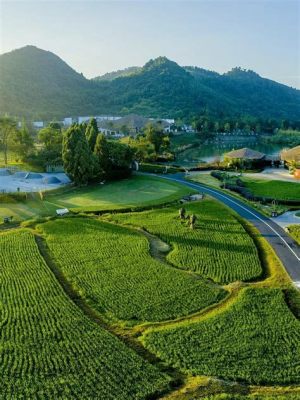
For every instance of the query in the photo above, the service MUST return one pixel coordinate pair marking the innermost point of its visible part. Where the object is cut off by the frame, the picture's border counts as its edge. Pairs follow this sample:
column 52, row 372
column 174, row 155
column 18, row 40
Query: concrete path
column 279, row 174
column 288, row 218
column 285, row 247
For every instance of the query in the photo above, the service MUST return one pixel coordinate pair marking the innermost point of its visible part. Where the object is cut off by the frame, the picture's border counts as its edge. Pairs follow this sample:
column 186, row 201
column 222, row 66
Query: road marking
column 239, row 205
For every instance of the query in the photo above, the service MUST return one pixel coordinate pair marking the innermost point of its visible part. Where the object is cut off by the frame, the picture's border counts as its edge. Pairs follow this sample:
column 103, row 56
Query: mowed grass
column 133, row 192
column 294, row 231
column 219, row 248
column 255, row 340
column 49, row 349
column 112, row 268
column 278, row 190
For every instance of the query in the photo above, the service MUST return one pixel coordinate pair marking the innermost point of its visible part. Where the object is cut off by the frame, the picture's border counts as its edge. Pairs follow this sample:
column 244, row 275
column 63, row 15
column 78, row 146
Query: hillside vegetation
column 37, row 84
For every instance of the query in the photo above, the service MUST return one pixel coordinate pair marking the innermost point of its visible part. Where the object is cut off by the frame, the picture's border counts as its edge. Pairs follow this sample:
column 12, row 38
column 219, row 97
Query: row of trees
column 150, row 145
column 209, row 124
column 88, row 156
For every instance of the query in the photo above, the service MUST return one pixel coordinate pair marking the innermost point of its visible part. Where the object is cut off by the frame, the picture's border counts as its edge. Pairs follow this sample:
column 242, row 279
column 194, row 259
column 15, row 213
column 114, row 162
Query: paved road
column 285, row 247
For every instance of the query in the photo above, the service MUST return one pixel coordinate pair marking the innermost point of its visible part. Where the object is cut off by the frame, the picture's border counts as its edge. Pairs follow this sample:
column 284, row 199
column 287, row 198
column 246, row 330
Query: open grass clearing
column 278, row 190
column 134, row 192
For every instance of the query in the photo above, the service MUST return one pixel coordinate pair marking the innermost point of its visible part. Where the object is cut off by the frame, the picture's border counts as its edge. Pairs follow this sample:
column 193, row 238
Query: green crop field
column 112, row 268
column 294, row 231
column 219, row 248
column 133, row 192
column 49, row 349
column 255, row 340
column 278, row 190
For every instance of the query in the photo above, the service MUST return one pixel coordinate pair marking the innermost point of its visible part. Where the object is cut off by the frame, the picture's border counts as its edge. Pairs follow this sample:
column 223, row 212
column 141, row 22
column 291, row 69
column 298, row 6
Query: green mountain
column 37, row 84
column 109, row 76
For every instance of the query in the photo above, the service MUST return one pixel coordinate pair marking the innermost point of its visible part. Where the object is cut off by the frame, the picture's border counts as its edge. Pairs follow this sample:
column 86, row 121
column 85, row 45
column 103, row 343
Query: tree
column 51, row 138
column 7, row 134
column 156, row 136
column 77, row 157
column 101, row 151
column 120, row 156
column 23, row 141
column 91, row 133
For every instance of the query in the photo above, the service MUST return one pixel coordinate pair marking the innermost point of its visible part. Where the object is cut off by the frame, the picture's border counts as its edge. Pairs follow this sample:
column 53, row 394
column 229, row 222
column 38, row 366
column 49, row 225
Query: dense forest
column 37, row 84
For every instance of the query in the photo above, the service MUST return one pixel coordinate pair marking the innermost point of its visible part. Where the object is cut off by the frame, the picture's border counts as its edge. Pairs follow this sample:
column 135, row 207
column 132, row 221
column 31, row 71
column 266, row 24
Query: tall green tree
column 91, row 133
column 8, row 131
column 23, row 141
column 77, row 157
column 120, row 156
column 155, row 136
column 101, row 152
column 51, row 138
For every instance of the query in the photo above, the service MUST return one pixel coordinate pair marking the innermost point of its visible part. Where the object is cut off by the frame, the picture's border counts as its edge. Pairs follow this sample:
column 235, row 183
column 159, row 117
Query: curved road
column 286, row 249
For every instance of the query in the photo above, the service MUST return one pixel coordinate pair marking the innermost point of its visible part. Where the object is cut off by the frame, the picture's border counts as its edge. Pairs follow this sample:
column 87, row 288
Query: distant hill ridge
column 37, row 84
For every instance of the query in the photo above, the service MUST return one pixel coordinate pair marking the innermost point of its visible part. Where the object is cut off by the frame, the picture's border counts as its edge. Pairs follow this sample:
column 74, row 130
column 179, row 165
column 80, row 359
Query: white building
column 38, row 124
column 67, row 121
column 107, row 118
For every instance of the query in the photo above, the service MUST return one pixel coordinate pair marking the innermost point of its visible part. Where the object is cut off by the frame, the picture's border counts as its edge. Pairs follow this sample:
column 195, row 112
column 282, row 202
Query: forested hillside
column 37, row 84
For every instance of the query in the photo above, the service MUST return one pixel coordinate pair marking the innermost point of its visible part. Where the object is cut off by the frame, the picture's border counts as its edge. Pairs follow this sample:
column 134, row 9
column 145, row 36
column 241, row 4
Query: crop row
column 49, row 349
column 111, row 266
column 255, row 340
column 219, row 248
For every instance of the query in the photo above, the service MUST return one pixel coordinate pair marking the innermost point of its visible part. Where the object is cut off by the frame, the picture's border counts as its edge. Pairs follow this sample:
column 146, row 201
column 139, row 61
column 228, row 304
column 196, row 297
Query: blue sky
column 95, row 37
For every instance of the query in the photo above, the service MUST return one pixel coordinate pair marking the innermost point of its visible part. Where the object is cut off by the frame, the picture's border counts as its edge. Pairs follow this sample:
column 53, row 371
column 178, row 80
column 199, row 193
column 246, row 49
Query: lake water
column 209, row 152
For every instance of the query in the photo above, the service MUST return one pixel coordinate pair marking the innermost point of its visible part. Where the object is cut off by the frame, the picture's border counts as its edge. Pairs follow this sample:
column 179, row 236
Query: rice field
column 219, row 248
column 49, row 349
column 256, row 340
column 111, row 267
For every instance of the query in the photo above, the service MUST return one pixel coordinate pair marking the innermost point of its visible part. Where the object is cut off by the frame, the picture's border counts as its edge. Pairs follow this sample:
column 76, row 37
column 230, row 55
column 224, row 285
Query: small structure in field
column 291, row 155
column 192, row 197
column 245, row 157
column 62, row 211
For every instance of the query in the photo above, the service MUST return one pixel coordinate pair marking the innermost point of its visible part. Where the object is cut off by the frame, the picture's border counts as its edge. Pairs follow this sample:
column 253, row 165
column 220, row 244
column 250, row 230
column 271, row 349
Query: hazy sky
column 95, row 37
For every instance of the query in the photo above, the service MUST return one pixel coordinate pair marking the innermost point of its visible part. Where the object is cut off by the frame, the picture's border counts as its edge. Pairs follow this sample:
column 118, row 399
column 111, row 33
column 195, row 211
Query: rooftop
column 245, row 153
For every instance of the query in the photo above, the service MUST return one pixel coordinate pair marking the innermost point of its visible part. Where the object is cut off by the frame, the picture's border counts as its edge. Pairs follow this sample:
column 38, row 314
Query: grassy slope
column 112, row 268
column 255, row 340
column 136, row 191
column 49, row 349
column 294, row 231
column 219, row 248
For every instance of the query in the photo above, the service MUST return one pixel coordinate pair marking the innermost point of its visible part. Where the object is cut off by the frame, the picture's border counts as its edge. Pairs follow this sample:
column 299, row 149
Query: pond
column 209, row 152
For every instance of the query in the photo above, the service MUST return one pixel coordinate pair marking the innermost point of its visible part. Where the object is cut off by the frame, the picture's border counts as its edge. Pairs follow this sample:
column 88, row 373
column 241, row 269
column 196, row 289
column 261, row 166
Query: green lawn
column 207, row 179
column 278, row 190
column 133, row 192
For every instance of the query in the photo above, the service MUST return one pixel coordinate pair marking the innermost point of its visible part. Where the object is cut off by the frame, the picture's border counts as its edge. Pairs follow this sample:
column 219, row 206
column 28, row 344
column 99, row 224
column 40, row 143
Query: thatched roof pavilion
column 245, row 154
column 291, row 154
